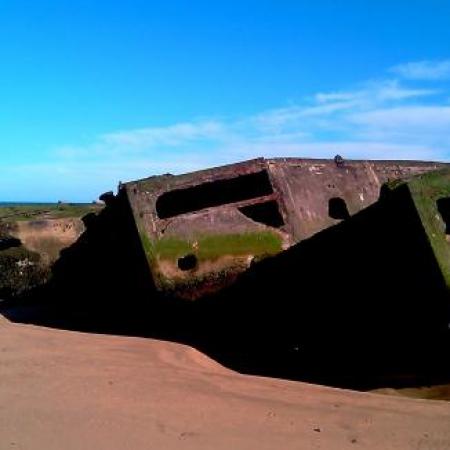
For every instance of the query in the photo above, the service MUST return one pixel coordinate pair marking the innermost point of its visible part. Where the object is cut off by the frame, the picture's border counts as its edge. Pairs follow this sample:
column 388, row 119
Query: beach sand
column 71, row 390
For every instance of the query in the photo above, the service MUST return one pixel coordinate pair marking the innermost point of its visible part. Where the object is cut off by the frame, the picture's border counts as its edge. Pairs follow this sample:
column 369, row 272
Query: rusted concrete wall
column 305, row 187
column 143, row 194
column 207, row 214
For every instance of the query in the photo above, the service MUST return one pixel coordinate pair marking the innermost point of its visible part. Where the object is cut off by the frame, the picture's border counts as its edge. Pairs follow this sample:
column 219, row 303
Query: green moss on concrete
column 425, row 191
column 147, row 244
column 172, row 248
column 212, row 247
column 262, row 243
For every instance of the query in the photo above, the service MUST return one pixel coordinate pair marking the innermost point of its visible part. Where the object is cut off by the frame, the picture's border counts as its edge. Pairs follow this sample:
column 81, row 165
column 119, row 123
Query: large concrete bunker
column 200, row 230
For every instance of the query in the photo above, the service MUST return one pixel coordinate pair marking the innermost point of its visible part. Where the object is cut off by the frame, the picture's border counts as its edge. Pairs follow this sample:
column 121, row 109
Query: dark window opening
column 188, row 262
column 337, row 208
column 443, row 206
column 267, row 213
column 214, row 193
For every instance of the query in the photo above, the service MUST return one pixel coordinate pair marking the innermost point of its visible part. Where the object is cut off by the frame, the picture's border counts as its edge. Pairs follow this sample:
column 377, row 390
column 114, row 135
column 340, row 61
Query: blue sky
column 96, row 92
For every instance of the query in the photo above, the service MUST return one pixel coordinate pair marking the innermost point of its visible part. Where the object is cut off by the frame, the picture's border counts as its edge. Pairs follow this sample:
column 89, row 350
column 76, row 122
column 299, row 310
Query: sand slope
column 69, row 390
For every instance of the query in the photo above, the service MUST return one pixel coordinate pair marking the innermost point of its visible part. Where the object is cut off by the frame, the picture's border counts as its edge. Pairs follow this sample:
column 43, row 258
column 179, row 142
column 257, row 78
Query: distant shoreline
column 12, row 204
column 16, row 211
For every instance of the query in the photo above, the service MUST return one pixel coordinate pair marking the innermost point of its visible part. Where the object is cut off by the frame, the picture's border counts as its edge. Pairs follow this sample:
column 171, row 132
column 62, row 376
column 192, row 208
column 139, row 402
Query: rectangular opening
column 266, row 213
column 214, row 193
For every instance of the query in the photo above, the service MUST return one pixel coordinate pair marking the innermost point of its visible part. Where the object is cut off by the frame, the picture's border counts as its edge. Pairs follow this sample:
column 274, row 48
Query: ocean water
column 3, row 204
column 25, row 203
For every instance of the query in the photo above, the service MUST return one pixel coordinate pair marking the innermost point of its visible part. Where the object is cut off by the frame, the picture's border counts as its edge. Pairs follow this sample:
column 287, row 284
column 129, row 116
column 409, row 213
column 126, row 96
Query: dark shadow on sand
column 360, row 305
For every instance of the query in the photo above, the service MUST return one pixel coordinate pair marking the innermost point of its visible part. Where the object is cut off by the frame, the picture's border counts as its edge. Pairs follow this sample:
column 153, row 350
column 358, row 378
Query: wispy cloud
column 378, row 119
column 374, row 92
column 170, row 136
column 423, row 70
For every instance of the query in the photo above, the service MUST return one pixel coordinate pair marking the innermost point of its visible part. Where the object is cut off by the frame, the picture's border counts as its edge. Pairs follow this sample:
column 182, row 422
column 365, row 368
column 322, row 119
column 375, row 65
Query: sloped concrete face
column 200, row 230
column 430, row 195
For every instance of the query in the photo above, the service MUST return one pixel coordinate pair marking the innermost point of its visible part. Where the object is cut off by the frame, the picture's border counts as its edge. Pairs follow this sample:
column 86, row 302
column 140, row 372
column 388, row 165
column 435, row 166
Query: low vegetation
column 20, row 212
column 27, row 265
column 20, row 271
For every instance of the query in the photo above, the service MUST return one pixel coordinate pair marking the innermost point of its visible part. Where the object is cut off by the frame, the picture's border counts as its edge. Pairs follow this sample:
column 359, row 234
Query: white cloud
column 424, row 70
column 326, row 97
column 419, row 124
column 392, row 90
column 172, row 135
column 374, row 92
column 384, row 119
column 351, row 149
column 436, row 118
column 401, row 118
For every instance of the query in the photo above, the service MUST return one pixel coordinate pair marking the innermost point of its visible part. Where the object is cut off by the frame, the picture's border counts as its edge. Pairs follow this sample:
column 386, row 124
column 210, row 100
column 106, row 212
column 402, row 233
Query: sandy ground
column 69, row 390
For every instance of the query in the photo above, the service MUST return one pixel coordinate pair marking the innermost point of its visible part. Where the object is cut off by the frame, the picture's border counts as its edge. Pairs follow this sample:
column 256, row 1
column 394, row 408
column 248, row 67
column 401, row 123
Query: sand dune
column 69, row 390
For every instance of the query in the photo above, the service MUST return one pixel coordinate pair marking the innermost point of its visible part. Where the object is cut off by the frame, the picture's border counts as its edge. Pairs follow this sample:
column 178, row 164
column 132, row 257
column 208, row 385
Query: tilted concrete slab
column 200, row 230
column 430, row 195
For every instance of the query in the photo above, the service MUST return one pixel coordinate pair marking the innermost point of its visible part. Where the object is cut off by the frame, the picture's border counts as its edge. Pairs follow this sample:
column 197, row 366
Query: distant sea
column 25, row 203
column 2, row 204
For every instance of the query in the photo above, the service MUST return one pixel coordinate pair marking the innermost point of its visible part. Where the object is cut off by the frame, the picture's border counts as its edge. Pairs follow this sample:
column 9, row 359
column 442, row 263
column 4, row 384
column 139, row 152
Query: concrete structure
column 429, row 196
column 200, row 230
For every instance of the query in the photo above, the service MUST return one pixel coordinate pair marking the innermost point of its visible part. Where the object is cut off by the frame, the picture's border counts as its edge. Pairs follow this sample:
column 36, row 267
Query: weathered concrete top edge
column 259, row 162
column 199, row 173
column 405, row 162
